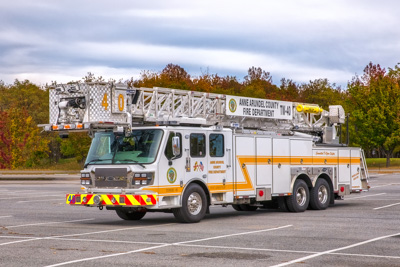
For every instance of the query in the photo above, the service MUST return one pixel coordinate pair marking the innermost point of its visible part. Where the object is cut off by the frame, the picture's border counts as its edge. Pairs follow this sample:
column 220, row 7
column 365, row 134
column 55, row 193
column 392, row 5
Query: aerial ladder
column 92, row 106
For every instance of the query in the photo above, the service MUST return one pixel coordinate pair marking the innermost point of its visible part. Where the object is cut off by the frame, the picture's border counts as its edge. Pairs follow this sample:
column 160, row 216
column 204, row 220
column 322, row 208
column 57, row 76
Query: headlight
column 143, row 178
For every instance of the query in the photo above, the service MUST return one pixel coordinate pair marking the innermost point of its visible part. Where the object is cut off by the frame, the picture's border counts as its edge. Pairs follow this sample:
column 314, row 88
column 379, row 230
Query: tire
column 130, row 215
column 194, row 205
column 299, row 200
column 320, row 195
column 246, row 207
column 237, row 207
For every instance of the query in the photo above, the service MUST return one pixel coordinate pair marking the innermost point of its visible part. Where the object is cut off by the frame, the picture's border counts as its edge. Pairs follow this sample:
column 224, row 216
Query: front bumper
column 111, row 200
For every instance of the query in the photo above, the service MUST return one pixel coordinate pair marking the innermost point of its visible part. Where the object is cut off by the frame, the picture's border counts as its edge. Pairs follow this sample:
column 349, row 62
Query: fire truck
column 170, row 150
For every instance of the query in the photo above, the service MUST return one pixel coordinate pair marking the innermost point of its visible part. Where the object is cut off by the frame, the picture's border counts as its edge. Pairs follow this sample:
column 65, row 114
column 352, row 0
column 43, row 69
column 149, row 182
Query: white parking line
column 164, row 245
column 6, row 216
column 366, row 255
column 46, row 223
column 334, row 250
column 107, row 241
column 366, row 196
column 387, row 206
column 28, row 192
column 245, row 233
column 383, row 185
column 7, row 198
column 88, row 233
column 42, row 200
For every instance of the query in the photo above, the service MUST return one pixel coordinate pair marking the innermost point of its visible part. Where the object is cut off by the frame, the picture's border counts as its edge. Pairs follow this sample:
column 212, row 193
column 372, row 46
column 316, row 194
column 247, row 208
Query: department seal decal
column 232, row 105
column 171, row 175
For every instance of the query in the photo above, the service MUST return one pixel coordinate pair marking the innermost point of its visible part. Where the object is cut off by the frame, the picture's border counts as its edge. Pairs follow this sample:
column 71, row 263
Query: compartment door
column 344, row 166
column 245, row 176
column 281, row 169
column 264, row 161
column 355, row 169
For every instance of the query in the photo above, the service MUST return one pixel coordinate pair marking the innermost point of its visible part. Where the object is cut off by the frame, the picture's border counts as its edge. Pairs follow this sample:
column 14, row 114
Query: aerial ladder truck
column 170, row 150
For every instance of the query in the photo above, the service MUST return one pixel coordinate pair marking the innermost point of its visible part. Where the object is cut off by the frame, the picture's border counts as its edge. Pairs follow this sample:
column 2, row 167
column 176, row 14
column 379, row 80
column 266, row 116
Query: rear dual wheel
column 299, row 200
column 320, row 195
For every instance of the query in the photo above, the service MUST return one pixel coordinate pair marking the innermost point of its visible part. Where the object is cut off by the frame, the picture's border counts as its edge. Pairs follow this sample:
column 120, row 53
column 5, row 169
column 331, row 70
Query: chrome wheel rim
column 194, row 203
column 301, row 196
column 322, row 194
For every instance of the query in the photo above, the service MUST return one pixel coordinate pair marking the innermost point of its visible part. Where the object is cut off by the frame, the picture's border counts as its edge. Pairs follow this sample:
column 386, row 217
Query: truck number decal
column 71, row 200
column 104, row 103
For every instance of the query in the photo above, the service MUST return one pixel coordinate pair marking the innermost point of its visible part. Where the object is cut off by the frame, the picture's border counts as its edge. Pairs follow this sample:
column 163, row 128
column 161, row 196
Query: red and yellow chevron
column 111, row 200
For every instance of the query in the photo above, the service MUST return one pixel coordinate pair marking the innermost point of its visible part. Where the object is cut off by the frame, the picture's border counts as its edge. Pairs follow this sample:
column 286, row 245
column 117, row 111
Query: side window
column 168, row 149
column 197, row 145
column 216, row 145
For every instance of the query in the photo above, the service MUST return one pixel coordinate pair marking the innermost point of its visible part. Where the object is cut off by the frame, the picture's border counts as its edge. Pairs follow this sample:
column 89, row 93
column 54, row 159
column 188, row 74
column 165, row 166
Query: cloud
column 300, row 40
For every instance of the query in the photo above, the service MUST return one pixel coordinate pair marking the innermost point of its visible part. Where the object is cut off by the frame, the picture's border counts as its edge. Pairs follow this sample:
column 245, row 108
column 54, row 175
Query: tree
column 288, row 91
column 21, row 143
column 374, row 99
column 76, row 145
column 321, row 92
column 258, row 83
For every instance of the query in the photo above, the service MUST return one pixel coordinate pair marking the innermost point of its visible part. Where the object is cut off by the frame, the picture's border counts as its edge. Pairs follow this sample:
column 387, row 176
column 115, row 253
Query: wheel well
column 305, row 178
column 204, row 188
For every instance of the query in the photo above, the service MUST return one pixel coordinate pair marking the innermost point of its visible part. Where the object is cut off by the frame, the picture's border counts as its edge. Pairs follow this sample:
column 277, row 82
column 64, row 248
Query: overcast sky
column 52, row 40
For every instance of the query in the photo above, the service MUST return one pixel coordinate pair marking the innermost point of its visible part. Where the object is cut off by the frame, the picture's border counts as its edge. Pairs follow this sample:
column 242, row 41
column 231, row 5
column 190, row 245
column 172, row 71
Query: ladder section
column 173, row 106
column 88, row 106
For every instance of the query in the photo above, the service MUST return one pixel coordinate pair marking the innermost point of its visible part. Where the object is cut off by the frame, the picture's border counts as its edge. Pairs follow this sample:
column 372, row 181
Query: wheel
column 237, row 207
column 131, row 215
column 320, row 195
column 298, row 201
column 194, row 205
column 247, row 207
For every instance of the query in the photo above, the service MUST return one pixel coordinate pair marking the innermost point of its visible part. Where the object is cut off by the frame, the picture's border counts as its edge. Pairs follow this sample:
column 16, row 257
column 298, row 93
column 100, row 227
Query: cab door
column 171, row 169
column 220, row 181
column 196, row 156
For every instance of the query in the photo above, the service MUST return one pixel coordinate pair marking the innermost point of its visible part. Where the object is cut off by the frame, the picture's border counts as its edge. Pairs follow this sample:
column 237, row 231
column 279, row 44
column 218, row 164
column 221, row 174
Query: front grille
column 113, row 177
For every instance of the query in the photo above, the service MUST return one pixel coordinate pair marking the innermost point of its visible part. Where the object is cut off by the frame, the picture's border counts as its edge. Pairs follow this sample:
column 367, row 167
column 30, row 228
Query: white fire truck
column 159, row 149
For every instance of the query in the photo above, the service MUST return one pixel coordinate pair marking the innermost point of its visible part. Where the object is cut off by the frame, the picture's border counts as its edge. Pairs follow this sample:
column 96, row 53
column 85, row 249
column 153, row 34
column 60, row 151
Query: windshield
column 138, row 148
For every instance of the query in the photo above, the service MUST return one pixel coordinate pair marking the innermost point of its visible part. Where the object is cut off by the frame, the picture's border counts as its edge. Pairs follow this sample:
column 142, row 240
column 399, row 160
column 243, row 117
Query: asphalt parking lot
column 37, row 228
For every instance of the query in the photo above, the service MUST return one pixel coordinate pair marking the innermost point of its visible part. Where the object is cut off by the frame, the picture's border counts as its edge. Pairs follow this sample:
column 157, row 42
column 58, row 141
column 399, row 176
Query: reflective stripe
column 129, row 200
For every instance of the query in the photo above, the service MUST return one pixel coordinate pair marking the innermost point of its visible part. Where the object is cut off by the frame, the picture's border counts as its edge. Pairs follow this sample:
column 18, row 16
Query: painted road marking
column 164, row 245
column 89, row 233
column 42, row 200
column 7, row 198
column 222, row 236
column 382, row 185
column 334, row 250
column 366, row 196
column 107, row 241
column 387, row 206
column 46, row 223
column 6, row 216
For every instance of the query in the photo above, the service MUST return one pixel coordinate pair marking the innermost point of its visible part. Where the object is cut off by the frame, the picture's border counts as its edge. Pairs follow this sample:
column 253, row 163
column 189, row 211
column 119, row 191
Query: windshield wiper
column 134, row 161
column 93, row 160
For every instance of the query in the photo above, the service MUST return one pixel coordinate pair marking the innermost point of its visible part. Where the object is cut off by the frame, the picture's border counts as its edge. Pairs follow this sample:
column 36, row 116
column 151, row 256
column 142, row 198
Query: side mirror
column 176, row 146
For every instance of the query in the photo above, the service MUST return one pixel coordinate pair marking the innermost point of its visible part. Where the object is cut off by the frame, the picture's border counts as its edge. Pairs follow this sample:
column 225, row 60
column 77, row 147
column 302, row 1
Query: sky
column 302, row 40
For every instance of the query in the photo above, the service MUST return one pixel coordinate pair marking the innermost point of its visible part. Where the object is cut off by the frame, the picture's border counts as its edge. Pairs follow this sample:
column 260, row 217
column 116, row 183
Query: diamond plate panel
column 100, row 108
column 53, row 106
